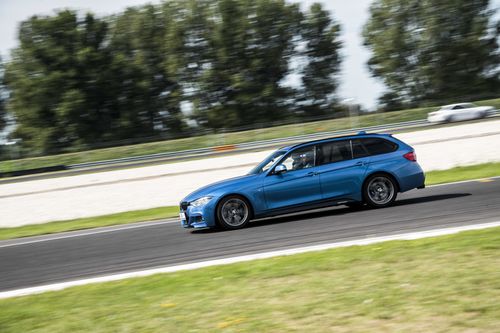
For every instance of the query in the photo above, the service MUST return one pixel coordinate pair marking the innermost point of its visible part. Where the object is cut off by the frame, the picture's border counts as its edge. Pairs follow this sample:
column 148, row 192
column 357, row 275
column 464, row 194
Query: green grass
column 89, row 222
column 444, row 284
column 433, row 177
column 221, row 139
column 463, row 173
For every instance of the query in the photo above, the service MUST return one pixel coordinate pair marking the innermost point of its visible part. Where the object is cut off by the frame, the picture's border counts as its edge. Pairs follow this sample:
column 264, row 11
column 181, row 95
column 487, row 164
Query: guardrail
column 209, row 151
column 255, row 145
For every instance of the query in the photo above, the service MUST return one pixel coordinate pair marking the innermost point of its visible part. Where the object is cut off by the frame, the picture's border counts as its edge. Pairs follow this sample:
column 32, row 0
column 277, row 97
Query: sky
column 356, row 82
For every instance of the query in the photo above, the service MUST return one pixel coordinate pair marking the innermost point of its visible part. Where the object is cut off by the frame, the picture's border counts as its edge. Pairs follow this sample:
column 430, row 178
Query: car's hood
column 217, row 188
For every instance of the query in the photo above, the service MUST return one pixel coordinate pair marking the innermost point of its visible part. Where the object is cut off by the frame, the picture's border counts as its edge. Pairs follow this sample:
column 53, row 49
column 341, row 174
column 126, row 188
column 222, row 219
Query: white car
column 458, row 112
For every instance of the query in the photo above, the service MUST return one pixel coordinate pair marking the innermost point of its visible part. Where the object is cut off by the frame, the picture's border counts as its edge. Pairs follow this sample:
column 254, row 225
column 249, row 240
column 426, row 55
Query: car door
column 341, row 175
column 473, row 112
column 298, row 185
column 460, row 113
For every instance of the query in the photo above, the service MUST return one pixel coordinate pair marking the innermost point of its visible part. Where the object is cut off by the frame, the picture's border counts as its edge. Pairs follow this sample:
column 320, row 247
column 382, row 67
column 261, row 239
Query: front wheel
column 380, row 191
column 233, row 212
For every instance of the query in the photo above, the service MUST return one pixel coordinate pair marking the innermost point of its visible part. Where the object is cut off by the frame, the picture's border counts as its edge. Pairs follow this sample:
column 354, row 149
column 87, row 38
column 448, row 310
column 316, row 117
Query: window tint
column 358, row 150
column 335, row 151
column 376, row 146
column 302, row 158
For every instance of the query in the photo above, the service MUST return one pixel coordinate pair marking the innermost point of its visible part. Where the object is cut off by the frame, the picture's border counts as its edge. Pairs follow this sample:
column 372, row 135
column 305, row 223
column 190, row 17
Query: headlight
column 201, row 201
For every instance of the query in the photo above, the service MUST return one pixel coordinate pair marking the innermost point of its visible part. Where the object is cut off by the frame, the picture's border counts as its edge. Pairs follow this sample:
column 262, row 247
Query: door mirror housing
column 280, row 169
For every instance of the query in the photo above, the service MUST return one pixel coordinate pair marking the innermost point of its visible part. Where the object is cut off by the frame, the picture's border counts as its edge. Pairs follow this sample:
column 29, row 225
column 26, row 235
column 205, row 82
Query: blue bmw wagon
column 362, row 169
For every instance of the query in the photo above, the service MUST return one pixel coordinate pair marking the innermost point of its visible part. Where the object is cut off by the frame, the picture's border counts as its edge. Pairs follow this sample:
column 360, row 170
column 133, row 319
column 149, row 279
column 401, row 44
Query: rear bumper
column 410, row 177
column 437, row 118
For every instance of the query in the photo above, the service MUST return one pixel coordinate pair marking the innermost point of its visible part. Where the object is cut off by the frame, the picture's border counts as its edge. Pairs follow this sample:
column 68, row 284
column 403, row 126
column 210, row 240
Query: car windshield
column 458, row 106
column 267, row 163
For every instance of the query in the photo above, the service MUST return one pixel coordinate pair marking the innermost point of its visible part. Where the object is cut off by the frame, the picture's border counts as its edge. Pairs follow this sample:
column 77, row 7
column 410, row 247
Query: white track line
column 81, row 233
column 101, row 230
column 226, row 261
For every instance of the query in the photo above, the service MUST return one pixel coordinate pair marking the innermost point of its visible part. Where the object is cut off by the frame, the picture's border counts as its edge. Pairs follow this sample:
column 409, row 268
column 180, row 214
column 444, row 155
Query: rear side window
column 358, row 150
column 376, row 146
column 335, row 151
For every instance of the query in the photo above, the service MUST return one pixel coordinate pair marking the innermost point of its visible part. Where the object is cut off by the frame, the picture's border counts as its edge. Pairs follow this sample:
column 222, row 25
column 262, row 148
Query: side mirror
column 280, row 169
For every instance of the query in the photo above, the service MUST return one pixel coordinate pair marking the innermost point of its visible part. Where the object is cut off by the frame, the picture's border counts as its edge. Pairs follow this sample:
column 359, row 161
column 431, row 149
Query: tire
column 233, row 212
column 380, row 190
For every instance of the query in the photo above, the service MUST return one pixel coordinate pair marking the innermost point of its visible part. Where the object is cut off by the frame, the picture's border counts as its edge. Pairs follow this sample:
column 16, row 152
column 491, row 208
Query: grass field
column 463, row 173
column 444, row 284
column 434, row 177
column 221, row 139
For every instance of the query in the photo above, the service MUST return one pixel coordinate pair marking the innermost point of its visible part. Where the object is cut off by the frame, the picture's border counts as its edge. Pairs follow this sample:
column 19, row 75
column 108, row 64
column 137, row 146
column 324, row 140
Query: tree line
column 159, row 70
column 433, row 52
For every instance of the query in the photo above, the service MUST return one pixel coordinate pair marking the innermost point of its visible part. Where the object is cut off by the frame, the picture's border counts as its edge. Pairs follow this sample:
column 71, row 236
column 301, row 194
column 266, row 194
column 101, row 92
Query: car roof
column 452, row 105
column 361, row 134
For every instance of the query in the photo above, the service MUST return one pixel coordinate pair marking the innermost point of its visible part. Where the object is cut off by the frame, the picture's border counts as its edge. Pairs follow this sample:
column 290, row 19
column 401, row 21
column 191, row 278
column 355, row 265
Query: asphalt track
column 50, row 259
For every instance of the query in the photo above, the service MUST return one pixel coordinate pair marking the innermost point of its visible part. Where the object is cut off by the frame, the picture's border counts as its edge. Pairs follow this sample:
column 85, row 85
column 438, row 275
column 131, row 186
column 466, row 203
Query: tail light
column 411, row 156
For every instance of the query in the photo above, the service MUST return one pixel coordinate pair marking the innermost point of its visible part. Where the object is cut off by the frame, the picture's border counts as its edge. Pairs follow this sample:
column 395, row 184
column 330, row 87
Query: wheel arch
column 380, row 172
column 235, row 194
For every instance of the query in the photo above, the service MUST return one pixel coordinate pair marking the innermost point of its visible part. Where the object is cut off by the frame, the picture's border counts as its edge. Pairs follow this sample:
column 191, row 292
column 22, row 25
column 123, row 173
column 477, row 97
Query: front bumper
column 197, row 217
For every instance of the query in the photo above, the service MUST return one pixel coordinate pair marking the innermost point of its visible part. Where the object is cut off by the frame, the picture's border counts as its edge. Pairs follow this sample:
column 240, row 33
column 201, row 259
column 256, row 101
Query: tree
column 187, row 43
column 81, row 81
column 78, row 81
column 147, row 94
column 434, row 51
column 321, row 35
column 59, row 78
column 3, row 97
column 252, row 43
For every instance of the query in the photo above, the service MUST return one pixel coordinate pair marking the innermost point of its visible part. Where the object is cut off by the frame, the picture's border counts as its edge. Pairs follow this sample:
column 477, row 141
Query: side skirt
column 304, row 207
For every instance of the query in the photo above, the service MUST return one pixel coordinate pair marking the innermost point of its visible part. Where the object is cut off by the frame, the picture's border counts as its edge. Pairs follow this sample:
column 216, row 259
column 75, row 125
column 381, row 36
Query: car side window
column 301, row 158
column 334, row 151
column 457, row 107
column 376, row 146
column 358, row 149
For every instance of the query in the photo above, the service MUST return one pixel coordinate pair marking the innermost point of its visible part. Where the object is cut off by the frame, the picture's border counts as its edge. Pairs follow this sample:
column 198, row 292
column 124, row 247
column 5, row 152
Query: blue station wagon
column 362, row 169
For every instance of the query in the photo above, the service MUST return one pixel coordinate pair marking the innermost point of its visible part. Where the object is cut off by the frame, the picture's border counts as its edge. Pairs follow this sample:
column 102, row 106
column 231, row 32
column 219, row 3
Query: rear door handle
column 310, row 174
column 360, row 163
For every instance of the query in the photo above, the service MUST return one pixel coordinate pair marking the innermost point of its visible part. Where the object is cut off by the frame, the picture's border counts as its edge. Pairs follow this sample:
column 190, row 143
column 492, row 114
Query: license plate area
column 182, row 216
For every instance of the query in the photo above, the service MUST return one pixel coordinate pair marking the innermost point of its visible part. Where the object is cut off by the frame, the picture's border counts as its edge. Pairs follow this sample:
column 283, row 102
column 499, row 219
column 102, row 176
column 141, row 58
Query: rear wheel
column 380, row 190
column 233, row 212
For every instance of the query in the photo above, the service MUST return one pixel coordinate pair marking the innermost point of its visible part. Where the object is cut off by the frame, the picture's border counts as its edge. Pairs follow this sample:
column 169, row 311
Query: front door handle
column 310, row 174
column 360, row 163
